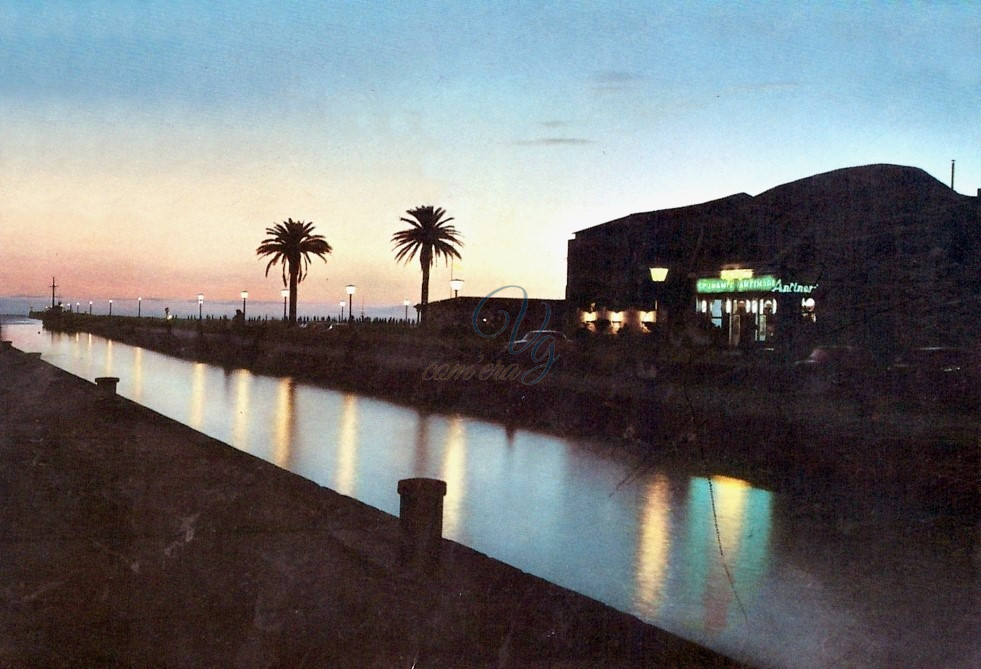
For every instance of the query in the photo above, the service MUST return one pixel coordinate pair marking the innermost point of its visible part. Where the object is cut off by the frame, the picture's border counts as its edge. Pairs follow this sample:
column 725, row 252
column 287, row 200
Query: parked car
column 947, row 374
column 543, row 339
column 532, row 335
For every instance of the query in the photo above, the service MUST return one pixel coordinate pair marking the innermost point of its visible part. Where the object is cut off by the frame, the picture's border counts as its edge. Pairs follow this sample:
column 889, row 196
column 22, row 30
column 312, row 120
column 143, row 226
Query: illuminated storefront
column 878, row 256
column 640, row 319
column 744, row 307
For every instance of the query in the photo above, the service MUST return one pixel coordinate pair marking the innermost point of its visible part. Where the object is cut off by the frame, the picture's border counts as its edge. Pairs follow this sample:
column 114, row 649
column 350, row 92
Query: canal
column 739, row 569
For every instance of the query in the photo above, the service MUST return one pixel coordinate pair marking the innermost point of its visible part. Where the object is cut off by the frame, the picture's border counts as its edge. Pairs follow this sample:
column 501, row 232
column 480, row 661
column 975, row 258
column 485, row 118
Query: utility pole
column 53, row 286
column 952, row 174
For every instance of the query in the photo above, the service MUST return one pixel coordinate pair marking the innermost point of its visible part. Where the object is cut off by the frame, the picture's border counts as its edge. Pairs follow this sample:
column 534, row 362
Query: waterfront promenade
column 131, row 540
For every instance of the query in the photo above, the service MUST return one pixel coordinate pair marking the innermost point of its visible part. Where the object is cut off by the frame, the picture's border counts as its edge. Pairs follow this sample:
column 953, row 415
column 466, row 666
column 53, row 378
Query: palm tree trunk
column 425, row 293
column 294, row 272
column 426, row 260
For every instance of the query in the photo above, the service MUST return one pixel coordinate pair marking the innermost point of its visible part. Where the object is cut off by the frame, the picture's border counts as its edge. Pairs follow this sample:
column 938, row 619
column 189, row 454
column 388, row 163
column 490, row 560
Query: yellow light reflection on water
column 240, row 422
column 347, row 447
column 196, row 416
column 653, row 545
column 454, row 472
column 138, row 374
column 88, row 354
column 285, row 422
column 108, row 367
column 730, row 507
column 77, row 350
column 420, row 454
column 730, row 510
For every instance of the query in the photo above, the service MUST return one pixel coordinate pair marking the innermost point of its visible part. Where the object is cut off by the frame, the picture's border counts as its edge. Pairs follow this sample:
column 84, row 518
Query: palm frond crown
column 291, row 244
column 429, row 235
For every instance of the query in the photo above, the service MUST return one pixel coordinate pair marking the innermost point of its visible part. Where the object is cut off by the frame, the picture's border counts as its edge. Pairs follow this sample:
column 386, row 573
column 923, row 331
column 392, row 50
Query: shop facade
column 883, row 257
column 747, row 310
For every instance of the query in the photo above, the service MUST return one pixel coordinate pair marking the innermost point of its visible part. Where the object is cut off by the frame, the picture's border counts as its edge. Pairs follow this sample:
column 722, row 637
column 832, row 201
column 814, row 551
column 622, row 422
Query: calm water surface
column 872, row 588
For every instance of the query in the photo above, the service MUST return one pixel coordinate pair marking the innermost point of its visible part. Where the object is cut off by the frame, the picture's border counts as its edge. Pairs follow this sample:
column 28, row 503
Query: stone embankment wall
column 133, row 541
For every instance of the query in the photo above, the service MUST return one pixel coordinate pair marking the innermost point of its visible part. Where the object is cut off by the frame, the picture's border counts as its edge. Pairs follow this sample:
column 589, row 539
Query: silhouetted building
column 882, row 255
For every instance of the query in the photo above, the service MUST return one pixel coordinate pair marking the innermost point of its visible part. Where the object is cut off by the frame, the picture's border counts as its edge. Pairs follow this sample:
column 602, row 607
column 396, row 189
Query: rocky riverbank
column 133, row 541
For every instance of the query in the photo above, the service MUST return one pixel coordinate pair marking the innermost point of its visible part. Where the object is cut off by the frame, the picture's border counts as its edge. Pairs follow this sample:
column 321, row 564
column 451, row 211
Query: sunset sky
column 146, row 146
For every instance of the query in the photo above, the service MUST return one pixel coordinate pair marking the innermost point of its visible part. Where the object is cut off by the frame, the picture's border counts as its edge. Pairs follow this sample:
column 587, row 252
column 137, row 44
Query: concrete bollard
column 107, row 384
column 421, row 522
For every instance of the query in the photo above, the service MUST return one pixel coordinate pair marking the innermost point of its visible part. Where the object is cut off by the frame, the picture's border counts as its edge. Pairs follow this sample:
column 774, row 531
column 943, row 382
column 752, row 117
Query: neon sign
column 757, row 284
column 793, row 287
column 754, row 284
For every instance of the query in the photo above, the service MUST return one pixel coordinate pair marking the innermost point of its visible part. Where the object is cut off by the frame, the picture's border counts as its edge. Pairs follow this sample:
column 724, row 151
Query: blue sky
column 148, row 145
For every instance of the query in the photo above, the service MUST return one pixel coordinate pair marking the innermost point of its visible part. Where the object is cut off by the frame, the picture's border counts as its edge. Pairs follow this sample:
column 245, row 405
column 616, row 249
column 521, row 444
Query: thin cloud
column 555, row 141
column 614, row 81
column 615, row 78
column 761, row 87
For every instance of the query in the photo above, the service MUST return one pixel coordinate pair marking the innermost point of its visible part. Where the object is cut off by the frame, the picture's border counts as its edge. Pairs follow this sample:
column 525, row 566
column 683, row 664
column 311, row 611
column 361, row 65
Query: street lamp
column 200, row 304
column 78, row 307
column 406, row 304
column 139, row 307
column 350, row 301
column 341, row 305
column 90, row 307
column 456, row 285
column 285, row 293
column 110, row 307
column 245, row 296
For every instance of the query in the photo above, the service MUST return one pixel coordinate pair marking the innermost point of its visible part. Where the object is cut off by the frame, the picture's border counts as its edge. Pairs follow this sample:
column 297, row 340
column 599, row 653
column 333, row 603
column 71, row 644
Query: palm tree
column 292, row 243
column 431, row 237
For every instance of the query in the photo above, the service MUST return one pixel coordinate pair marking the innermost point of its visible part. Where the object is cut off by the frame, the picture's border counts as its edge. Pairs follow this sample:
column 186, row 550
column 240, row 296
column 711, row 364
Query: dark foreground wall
column 132, row 541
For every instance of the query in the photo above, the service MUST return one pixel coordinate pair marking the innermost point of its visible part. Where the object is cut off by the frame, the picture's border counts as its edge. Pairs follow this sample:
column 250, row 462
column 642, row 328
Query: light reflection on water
column 196, row 417
column 345, row 480
column 653, row 545
column 553, row 507
column 285, row 423
column 454, row 472
column 137, row 374
column 241, row 410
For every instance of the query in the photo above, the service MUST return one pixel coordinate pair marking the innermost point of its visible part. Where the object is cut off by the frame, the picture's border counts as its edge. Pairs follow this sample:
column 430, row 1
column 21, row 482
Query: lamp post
column 139, row 307
column 341, row 305
column 406, row 304
column 456, row 285
column 245, row 296
column 200, row 304
column 78, row 307
column 285, row 293
column 110, row 307
column 90, row 307
column 350, row 301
